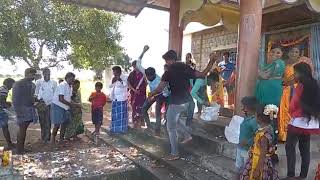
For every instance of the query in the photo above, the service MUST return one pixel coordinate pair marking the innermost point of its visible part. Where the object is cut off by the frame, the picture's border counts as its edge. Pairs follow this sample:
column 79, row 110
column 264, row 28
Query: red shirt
column 99, row 99
column 295, row 106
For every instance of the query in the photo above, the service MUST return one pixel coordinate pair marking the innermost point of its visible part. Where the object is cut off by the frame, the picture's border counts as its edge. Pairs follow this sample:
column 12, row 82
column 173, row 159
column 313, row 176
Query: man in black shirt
column 178, row 77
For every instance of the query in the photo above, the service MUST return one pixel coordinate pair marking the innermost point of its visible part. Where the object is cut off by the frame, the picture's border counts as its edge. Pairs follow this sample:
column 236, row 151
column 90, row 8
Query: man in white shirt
column 45, row 89
column 61, row 103
column 119, row 96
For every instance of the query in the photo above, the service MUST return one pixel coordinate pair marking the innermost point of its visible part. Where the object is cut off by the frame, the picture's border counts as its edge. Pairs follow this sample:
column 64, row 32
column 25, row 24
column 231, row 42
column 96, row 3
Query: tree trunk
column 98, row 75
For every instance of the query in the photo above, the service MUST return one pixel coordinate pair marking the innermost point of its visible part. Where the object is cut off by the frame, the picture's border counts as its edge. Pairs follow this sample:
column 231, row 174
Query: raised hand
column 213, row 56
column 146, row 48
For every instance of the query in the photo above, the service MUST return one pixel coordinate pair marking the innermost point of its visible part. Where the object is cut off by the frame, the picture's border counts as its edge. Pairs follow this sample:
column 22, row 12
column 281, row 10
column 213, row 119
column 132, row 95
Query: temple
column 247, row 29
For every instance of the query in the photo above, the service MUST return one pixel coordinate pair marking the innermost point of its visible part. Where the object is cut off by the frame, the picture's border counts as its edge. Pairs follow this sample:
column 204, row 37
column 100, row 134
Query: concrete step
column 187, row 166
column 146, row 163
column 207, row 157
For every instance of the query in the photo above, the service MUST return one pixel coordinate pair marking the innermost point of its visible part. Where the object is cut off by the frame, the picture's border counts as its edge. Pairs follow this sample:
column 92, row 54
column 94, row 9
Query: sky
column 150, row 28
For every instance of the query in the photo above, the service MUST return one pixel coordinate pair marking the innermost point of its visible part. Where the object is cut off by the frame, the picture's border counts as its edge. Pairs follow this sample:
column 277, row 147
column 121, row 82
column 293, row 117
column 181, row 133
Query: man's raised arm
column 213, row 59
column 139, row 61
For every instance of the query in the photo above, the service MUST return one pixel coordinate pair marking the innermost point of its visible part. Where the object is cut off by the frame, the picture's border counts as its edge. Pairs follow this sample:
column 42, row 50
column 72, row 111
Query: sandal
column 186, row 141
column 172, row 157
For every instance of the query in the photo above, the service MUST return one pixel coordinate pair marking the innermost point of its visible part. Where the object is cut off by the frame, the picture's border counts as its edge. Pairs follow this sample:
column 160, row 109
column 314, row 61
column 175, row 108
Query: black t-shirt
column 178, row 76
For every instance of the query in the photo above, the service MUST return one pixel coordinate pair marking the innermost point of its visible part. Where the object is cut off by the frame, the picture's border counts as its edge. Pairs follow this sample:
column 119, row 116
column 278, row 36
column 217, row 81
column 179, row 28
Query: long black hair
column 310, row 98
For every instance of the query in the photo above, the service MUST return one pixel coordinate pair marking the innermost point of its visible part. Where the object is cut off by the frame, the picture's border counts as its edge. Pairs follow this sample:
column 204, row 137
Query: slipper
column 172, row 158
column 186, row 140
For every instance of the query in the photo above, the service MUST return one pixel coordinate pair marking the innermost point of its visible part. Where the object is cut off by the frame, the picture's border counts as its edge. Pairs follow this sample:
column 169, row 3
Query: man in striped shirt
column 4, row 90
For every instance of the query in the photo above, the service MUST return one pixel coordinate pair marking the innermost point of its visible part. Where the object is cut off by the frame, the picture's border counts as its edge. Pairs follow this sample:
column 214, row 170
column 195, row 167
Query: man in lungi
column 119, row 96
column 45, row 89
column 4, row 90
column 178, row 77
column 60, row 107
column 23, row 103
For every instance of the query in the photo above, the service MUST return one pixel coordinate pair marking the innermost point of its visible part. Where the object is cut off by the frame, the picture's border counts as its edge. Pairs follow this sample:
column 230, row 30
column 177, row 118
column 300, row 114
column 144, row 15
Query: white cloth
column 232, row 131
column 119, row 90
column 63, row 89
column 304, row 123
column 45, row 90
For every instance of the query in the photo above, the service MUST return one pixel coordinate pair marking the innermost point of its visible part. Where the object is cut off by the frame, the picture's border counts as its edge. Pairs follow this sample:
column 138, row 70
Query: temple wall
column 207, row 41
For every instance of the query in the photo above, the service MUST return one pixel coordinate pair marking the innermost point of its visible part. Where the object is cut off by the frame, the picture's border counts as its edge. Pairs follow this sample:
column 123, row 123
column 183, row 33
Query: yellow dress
column 268, row 172
column 217, row 96
column 284, row 115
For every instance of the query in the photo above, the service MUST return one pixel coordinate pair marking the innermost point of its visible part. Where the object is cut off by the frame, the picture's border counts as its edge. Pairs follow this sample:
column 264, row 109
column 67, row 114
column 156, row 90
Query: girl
column 304, row 110
column 259, row 166
column 288, row 87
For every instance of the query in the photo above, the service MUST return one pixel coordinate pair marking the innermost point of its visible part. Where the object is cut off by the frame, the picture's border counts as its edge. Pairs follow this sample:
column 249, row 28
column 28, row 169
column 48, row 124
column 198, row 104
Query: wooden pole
column 249, row 44
column 175, row 31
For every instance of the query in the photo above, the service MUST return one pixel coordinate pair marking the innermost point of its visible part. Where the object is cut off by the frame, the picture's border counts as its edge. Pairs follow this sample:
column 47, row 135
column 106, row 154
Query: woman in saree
column 217, row 88
column 288, row 86
column 75, row 126
column 137, row 86
column 269, row 85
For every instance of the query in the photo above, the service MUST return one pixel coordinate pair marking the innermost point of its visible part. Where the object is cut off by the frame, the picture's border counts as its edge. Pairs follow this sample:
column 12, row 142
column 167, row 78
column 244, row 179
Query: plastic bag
column 232, row 131
column 211, row 113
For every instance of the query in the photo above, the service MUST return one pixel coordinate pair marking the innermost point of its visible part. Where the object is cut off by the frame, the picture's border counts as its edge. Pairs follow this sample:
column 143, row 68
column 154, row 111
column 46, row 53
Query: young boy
column 98, row 99
column 247, row 131
column 4, row 90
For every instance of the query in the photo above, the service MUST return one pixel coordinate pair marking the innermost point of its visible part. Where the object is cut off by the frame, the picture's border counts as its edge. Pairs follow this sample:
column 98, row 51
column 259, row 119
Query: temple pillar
column 248, row 49
column 175, row 31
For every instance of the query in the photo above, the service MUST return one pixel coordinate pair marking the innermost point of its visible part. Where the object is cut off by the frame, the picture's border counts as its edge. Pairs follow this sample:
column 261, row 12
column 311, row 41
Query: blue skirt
column 59, row 115
column 119, row 117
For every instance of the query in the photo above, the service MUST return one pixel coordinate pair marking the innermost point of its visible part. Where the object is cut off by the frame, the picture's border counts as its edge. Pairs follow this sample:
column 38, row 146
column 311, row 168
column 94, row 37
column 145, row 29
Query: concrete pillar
column 248, row 48
column 175, row 31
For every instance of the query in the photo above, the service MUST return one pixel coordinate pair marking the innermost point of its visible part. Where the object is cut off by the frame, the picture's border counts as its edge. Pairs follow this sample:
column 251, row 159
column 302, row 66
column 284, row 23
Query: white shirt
column 63, row 89
column 119, row 90
column 45, row 90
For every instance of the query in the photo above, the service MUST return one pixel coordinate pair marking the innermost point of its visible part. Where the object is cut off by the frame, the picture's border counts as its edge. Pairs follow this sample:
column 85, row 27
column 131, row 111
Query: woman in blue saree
column 269, row 85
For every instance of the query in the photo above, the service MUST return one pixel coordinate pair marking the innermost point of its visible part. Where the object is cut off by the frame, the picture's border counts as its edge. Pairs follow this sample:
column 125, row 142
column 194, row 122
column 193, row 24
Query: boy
column 247, row 131
column 4, row 90
column 98, row 99
column 60, row 107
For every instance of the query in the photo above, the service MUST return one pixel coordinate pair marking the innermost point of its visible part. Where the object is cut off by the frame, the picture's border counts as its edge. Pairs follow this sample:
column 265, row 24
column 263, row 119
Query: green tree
column 87, row 38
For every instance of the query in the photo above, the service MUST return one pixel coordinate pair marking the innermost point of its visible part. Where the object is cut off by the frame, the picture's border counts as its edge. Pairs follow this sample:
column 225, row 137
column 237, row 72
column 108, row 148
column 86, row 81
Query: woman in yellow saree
column 288, row 86
column 216, row 84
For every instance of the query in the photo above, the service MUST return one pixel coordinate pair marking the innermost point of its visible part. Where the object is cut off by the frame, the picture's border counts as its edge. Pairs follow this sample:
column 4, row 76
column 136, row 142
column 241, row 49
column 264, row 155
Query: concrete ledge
column 158, row 149
column 144, row 162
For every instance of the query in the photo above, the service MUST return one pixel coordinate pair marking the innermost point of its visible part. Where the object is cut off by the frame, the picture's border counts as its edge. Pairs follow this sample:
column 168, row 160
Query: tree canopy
column 44, row 33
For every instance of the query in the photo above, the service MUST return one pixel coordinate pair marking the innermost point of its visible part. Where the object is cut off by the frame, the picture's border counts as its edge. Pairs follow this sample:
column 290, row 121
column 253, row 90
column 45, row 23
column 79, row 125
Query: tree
column 44, row 33
column 95, row 44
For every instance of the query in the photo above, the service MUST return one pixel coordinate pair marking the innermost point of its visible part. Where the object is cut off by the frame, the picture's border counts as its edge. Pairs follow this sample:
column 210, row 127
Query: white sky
column 150, row 27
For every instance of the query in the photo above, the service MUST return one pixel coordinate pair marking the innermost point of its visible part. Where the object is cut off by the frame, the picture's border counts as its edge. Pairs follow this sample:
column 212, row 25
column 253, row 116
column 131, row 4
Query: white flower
column 271, row 110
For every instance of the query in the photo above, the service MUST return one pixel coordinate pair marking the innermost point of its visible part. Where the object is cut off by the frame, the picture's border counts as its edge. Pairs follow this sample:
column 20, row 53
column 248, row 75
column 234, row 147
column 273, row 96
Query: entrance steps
column 208, row 157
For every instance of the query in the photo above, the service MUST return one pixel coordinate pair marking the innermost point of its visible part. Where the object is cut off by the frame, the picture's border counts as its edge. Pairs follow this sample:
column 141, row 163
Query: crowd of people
column 56, row 106
column 173, row 94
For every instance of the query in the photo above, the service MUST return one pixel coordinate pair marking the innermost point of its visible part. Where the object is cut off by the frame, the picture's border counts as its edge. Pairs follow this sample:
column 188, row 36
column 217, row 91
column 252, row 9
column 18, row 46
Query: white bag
column 232, row 131
column 211, row 113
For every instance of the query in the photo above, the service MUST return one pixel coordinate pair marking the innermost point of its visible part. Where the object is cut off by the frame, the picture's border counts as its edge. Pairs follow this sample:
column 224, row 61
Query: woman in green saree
column 269, row 85
column 75, row 126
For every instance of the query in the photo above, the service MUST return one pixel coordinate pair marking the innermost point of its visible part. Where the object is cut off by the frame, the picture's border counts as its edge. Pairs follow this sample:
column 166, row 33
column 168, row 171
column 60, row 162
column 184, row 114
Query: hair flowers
column 271, row 110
